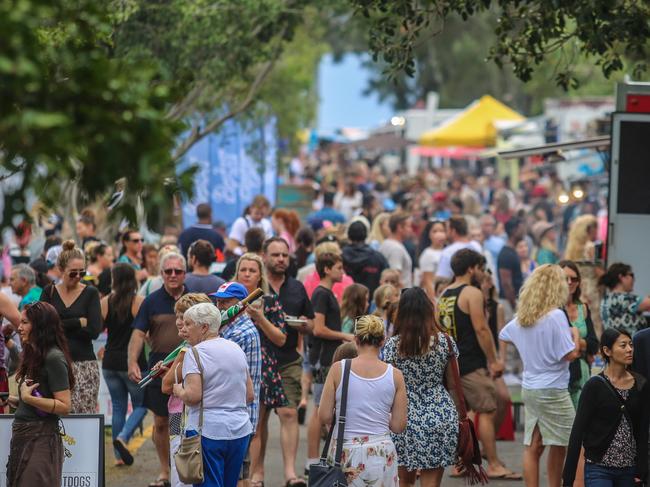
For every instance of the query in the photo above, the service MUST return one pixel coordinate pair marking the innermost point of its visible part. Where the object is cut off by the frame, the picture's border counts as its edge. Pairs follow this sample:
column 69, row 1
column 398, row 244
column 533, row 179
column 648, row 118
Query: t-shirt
column 398, row 258
column 200, row 231
column 621, row 310
column 542, row 347
column 157, row 317
column 243, row 224
column 429, row 260
column 206, row 284
column 225, row 373
column 295, row 302
column 324, row 302
column 444, row 266
column 53, row 378
column 508, row 259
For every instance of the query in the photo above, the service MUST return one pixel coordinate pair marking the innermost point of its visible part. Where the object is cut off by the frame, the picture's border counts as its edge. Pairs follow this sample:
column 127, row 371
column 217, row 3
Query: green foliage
column 68, row 111
column 606, row 31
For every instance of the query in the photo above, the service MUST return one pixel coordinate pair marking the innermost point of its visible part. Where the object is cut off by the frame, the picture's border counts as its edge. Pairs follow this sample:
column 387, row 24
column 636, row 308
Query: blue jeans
column 120, row 388
column 599, row 476
column 222, row 460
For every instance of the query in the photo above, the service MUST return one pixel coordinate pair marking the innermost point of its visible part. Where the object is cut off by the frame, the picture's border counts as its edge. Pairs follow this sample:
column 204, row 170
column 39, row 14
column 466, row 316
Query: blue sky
column 342, row 104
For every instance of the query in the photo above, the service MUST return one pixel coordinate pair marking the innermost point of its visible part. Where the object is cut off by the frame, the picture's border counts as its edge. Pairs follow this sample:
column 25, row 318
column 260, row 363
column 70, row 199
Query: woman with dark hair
column 45, row 379
column 621, row 308
column 580, row 317
column 421, row 351
column 118, row 311
column 612, row 420
column 355, row 303
column 98, row 273
column 432, row 241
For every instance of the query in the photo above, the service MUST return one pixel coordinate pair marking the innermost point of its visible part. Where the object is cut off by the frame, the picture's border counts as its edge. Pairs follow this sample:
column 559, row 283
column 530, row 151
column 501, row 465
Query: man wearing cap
column 243, row 332
column 362, row 263
column 158, row 319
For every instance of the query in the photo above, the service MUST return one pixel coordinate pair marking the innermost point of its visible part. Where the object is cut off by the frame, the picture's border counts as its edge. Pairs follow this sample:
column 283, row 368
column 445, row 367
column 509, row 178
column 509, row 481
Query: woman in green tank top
column 580, row 318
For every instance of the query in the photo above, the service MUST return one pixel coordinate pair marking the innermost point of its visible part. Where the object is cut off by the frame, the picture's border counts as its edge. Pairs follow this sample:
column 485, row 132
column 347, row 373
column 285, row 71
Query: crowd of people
column 377, row 279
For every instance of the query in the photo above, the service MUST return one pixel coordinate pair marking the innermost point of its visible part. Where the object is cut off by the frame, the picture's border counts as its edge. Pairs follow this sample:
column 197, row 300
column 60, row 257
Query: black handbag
column 322, row 474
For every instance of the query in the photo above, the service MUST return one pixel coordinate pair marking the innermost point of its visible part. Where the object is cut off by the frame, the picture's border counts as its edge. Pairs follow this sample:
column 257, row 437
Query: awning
column 597, row 143
column 449, row 152
column 474, row 127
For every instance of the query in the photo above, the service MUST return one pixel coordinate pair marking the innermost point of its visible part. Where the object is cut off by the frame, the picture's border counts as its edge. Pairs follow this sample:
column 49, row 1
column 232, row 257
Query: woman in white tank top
column 376, row 406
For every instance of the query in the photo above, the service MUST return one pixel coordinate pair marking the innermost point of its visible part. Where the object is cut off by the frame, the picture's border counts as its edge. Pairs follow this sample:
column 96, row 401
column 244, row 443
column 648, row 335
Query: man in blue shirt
column 327, row 213
column 202, row 230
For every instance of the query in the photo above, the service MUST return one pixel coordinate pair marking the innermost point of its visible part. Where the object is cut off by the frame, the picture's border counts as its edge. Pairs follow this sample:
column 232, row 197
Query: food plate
column 295, row 322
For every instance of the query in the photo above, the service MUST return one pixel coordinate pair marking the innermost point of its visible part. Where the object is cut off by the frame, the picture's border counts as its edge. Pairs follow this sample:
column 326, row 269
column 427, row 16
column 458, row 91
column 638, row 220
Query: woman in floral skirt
column 422, row 353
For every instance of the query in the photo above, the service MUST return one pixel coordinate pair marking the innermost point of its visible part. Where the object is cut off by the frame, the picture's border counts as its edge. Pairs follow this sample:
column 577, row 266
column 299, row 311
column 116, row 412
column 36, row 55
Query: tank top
column 369, row 404
column 459, row 325
column 117, row 341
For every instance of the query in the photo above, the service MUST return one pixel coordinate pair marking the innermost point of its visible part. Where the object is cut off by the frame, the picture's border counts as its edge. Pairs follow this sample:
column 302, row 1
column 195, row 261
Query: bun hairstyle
column 369, row 330
column 69, row 251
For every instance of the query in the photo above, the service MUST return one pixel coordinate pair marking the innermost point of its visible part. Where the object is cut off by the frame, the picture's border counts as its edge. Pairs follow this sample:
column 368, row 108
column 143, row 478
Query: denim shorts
column 600, row 476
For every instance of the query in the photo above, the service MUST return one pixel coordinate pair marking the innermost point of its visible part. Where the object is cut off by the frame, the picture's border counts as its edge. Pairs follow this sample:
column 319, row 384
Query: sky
column 342, row 104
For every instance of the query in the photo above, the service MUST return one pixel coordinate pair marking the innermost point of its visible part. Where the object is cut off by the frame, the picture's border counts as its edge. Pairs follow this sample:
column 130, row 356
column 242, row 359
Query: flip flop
column 124, row 452
column 160, row 483
column 296, row 482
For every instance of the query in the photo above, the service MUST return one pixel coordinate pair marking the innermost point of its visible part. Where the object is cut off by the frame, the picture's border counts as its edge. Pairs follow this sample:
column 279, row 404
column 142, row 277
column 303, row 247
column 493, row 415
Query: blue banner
column 234, row 165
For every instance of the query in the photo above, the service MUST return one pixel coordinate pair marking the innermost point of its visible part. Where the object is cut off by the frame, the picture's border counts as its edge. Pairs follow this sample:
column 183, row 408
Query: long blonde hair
column 264, row 282
column 375, row 231
column 545, row 289
column 578, row 237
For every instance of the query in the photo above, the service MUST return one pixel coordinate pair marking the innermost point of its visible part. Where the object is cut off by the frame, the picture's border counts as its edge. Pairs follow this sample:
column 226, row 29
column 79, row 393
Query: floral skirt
column 85, row 392
column 368, row 460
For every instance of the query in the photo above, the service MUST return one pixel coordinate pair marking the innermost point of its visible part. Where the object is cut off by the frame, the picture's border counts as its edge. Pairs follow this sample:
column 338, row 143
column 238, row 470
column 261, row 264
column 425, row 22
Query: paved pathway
column 145, row 468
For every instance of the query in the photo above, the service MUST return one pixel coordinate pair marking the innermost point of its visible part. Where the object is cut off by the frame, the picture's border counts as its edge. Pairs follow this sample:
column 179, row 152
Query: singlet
column 369, row 404
column 117, row 341
column 459, row 325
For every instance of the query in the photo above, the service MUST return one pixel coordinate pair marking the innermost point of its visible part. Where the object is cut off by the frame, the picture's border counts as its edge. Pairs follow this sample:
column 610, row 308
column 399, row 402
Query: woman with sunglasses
column 80, row 312
column 621, row 308
column 580, row 318
column 44, row 381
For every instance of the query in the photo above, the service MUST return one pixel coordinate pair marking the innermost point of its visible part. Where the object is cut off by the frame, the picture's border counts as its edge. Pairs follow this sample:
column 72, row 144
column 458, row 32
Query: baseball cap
column 231, row 290
column 53, row 255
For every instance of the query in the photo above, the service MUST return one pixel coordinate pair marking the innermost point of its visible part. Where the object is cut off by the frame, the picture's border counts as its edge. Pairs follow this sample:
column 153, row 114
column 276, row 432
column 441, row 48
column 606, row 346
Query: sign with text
column 84, row 439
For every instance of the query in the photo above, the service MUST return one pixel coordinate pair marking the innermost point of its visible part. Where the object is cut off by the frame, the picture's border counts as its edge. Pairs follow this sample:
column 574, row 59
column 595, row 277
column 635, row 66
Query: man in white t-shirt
column 459, row 235
column 255, row 217
column 393, row 248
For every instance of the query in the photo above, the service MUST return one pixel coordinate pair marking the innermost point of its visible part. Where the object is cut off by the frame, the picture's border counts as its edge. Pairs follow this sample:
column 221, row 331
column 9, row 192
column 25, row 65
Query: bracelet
column 53, row 406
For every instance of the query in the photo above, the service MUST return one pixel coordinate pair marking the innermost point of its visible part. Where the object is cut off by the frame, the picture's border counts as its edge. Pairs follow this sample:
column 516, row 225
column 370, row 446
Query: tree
column 68, row 112
column 527, row 32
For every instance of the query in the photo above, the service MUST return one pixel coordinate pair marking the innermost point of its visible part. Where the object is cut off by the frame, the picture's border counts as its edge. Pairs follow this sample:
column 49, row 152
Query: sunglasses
column 176, row 272
column 136, row 240
column 75, row 274
column 573, row 280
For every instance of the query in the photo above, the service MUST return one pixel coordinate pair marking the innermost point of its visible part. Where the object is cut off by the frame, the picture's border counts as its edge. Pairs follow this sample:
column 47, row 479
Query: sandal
column 257, row 483
column 124, row 452
column 296, row 482
column 160, row 483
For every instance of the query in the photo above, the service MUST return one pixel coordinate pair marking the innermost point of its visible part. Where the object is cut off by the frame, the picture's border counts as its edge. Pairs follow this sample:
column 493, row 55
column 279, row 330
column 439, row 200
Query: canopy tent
column 473, row 127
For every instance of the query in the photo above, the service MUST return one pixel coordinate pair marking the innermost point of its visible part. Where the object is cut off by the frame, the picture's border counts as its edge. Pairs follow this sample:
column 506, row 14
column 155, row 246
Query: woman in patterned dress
column 621, row 308
column 269, row 319
column 422, row 353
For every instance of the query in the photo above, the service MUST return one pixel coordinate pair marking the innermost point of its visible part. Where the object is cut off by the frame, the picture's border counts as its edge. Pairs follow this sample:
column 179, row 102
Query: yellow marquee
column 474, row 127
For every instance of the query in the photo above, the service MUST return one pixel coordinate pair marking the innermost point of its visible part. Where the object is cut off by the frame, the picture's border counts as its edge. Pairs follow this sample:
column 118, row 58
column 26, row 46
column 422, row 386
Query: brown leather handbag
column 468, row 451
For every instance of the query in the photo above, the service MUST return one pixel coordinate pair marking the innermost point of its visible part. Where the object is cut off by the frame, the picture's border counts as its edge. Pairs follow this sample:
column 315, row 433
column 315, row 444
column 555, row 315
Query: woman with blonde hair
column 376, row 406
column 385, row 297
column 547, row 344
column 582, row 250
column 379, row 231
column 269, row 319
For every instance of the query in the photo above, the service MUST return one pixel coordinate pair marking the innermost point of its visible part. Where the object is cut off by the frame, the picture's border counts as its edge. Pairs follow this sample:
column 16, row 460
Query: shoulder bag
column 322, row 474
column 469, row 453
column 189, row 456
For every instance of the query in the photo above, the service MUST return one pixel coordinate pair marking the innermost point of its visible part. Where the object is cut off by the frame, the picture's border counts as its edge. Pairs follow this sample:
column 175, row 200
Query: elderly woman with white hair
column 225, row 390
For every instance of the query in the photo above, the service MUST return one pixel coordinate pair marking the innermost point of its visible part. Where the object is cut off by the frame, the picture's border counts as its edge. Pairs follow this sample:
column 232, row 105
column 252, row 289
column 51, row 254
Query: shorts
column 480, row 391
column 319, row 374
column 154, row 399
column 244, row 472
column 291, row 375
column 551, row 410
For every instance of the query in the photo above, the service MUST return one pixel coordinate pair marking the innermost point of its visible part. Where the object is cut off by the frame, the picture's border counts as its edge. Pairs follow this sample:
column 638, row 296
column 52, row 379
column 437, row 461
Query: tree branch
column 178, row 110
column 197, row 133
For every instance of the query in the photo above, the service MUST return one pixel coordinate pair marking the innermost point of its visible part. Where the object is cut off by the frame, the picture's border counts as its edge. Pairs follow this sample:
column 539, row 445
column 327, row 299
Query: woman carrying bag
column 370, row 397
column 216, row 391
